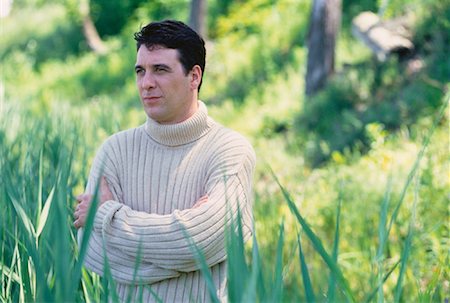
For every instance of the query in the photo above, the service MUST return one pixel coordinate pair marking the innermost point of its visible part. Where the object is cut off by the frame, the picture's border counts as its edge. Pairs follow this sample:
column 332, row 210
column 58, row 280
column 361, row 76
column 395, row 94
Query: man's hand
column 82, row 209
column 85, row 201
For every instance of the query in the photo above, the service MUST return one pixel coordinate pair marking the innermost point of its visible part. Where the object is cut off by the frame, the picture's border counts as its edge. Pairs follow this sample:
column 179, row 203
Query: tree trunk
column 197, row 18
column 90, row 32
column 323, row 29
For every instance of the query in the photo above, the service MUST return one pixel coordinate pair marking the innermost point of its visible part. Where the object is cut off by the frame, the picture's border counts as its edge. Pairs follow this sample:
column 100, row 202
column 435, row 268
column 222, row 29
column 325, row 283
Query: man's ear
column 196, row 77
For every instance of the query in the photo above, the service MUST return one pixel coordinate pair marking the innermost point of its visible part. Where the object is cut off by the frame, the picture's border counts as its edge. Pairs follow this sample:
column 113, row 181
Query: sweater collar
column 181, row 133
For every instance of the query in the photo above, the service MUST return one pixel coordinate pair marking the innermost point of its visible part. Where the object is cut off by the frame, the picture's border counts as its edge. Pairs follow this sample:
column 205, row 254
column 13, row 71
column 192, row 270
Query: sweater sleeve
column 122, row 267
column 123, row 270
column 163, row 237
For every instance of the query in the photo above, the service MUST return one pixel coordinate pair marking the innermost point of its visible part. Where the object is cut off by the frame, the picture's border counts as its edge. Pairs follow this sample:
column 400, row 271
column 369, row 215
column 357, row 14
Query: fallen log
column 383, row 37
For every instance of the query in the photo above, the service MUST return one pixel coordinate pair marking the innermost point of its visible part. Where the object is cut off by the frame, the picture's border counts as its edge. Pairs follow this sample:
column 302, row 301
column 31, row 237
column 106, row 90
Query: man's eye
column 139, row 71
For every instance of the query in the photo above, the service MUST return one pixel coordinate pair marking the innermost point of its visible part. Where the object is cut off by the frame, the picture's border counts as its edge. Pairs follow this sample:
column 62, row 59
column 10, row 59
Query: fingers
column 83, row 197
column 78, row 223
column 85, row 200
column 80, row 212
column 79, row 215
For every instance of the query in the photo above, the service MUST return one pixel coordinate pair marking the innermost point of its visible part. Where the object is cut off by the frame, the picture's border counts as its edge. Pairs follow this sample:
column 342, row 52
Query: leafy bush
column 43, row 34
column 336, row 119
column 259, row 49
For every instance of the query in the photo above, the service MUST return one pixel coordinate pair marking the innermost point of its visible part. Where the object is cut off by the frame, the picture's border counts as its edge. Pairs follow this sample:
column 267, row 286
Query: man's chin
column 157, row 117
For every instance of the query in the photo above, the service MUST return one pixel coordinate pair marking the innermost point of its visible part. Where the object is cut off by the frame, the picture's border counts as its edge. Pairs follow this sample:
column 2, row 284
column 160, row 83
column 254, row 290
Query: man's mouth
column 151, row 99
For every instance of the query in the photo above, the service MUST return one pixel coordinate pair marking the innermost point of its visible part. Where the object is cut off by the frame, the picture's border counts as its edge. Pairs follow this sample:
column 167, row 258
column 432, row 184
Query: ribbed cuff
column 104, row 215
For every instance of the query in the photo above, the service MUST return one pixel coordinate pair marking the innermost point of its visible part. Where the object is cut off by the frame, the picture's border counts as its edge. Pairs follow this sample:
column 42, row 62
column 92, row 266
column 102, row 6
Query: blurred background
column 338, row 123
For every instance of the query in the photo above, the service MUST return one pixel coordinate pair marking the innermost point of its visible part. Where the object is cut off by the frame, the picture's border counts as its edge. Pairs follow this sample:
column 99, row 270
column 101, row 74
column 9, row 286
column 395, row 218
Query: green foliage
column 359, row 236
column 339, row 119
column 111, row 16
column 29, row 225
column 318, row 246
column 432, row 38
column 39, row 256
column 261, row 51
column 41, row 34
column 163, row 9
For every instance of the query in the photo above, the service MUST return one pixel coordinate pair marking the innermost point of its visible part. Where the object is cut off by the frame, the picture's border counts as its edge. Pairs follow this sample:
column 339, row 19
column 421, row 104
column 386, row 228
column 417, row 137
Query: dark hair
column 175, row 35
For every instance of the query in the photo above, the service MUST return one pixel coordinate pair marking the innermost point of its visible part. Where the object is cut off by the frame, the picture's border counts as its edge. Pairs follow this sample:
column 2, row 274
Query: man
column 180, row 173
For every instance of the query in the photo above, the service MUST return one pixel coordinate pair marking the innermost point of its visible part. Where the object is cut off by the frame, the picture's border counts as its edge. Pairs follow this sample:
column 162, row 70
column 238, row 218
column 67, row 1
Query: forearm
column 123, row 268
column 164, row 237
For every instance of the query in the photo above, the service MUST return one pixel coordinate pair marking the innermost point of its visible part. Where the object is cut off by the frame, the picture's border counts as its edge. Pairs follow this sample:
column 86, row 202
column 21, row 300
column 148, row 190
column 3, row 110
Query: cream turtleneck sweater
column 156, row 174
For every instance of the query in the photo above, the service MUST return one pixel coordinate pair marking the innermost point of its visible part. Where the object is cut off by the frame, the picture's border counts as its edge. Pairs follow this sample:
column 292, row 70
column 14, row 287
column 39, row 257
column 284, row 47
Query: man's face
column 168, row 95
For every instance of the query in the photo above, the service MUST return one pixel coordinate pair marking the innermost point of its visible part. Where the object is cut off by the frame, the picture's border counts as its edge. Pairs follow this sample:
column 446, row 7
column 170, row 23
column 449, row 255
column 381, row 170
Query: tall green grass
column 246, row 277
column 40, row 260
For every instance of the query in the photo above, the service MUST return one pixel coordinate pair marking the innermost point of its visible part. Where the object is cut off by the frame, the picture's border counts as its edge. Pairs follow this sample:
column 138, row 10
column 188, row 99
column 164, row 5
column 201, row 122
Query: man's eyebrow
column 161, row 65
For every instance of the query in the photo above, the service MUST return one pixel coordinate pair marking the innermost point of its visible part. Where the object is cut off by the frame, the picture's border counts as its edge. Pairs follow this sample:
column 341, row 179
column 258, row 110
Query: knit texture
column 156, row 174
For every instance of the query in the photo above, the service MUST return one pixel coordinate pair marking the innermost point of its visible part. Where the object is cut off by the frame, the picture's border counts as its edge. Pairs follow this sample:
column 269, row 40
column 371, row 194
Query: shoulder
column 230, row 150
column 123, row 138
column 228, row 139
column 225, row 140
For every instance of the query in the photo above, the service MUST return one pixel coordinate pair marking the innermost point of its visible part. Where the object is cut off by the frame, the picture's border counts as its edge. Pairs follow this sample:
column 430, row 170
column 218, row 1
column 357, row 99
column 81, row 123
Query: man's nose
column 148, row 81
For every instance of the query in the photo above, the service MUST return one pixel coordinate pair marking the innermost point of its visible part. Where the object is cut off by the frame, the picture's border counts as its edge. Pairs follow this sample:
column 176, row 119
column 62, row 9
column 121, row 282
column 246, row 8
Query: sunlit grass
column 297, row 253
column 365, row 227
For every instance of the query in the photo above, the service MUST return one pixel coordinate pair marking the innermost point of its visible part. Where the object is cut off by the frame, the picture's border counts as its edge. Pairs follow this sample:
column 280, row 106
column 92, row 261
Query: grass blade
column 317, row 243
column 87, row 287
column 277, row 293
column 382, row 236
column 408, row 244
column 12, row 276
column 374, row 292
column 109, row 286
column 237, row 267
column 28, row 233
column 332, row 279
column 415, row 167
column 154, row 294
column 204, row 268
column 24, row 219
column 309, row 292
column 44, row 213
column 262, row 292
column 40, row 184
column 250, row 294
column 86, row 233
